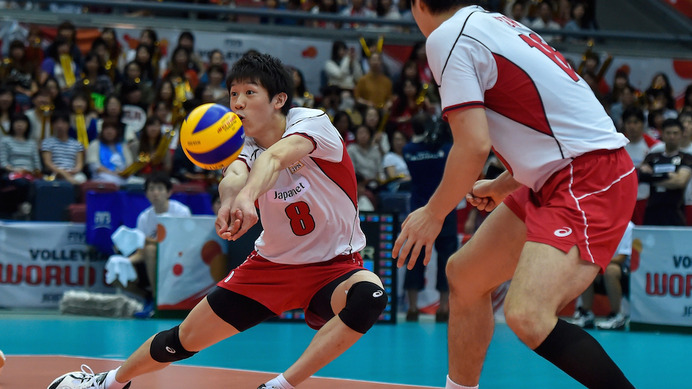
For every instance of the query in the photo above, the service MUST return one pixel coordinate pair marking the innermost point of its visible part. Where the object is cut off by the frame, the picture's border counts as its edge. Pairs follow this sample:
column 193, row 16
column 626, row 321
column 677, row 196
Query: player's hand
column 223, row 222
column 419, row 230
column 243, row 216
column 484, row 196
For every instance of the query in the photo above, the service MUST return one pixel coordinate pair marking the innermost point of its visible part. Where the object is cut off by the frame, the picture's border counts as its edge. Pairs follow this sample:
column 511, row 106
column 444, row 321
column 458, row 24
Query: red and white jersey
column 541, row 114
column 311, row 213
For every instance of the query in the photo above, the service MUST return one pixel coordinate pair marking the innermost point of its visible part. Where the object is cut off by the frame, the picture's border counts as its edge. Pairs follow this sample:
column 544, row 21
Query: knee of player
column 519, row 317
column 166, row 347
column 454, row 272
column 365, row 303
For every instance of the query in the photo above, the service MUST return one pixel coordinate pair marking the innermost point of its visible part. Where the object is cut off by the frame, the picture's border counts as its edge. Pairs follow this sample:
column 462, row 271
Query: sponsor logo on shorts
column 170, row 350
column 377, row 294
column 562, row 232
column 230, row 276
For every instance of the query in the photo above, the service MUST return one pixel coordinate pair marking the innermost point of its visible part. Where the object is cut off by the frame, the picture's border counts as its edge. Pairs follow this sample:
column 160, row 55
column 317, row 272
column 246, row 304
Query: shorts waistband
column 255, row 256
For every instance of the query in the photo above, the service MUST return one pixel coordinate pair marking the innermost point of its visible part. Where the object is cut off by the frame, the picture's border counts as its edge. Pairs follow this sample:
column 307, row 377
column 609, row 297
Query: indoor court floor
column 43, row 345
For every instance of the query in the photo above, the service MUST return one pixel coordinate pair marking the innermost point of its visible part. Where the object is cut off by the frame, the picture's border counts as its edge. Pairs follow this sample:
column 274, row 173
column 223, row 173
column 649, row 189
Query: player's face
column 250, row 101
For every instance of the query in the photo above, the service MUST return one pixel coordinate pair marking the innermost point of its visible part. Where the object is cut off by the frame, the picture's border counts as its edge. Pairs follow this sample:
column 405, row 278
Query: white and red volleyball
column 212, row 136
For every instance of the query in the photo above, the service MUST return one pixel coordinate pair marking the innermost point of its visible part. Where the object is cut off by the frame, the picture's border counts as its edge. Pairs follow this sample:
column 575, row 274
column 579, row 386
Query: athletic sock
column 279, row 382
column 111, row 383
column 453, row 385
column 578, row 354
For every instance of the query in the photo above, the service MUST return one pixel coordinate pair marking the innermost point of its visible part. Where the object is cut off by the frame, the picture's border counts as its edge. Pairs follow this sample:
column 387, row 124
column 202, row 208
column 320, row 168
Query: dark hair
column 439, row 6
column 13, row 104
column 144, row 135
column 335, row 50
column 20, row 117
column 300, row 88
column 91, row 55
column 59, row 115
column 114, row 124
column 186, row 35
column 635, row 112
column 671, row 123
column 651, row 117
column 16, row 44
column 158, row 178
column 268, row 72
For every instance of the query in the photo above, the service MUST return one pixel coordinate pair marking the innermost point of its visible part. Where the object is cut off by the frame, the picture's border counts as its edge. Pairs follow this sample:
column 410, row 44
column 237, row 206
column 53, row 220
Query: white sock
column 111, row 383
column 453, row 385
column 278, row 382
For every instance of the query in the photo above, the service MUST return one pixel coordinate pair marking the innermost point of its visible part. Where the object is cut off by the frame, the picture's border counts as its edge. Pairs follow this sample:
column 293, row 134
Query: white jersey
column 541, row 114
column 148, row 219
column 311, row 213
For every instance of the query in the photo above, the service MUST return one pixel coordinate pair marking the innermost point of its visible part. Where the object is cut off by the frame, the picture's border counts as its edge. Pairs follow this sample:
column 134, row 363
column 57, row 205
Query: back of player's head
column 634, row 112
column 439, row 6
column 268, row 72
column 158, row 178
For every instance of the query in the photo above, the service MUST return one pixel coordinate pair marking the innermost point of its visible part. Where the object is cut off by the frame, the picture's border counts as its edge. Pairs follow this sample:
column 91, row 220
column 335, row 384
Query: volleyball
column 212, row 136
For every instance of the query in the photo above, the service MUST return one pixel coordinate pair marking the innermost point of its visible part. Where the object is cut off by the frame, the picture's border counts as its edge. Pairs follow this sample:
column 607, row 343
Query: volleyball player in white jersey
column 295, row 167
column 559, row 210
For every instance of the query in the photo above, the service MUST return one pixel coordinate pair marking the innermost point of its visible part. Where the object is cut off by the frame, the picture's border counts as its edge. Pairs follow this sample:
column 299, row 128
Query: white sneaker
column 583, row 318
column 612, row 322
column 85, row 379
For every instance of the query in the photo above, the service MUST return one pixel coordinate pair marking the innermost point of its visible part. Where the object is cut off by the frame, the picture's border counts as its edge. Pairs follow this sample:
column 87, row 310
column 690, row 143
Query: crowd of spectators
column 108, row 113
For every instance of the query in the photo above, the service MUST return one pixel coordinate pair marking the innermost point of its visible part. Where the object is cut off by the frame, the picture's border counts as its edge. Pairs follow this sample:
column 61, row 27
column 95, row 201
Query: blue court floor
column 405, row 353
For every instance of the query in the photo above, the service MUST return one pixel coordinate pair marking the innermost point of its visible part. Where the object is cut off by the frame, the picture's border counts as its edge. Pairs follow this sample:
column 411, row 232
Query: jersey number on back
column 302, row 222
column 536, row 42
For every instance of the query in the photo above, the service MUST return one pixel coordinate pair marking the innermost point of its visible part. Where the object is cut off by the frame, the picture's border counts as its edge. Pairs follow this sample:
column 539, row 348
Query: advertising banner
column 661, row 279
column 191, row 259
column 40, row 261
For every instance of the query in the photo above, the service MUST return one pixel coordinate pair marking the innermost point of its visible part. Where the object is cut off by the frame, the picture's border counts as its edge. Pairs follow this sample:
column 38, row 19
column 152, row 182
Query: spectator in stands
column 659, row 100
column 158, row 189
column 410, row 99
column 425, row 157
column 373, row 120
column 667, row 173
column 545, row 21
column 217, row 84
column 374, row 89
column 655, row 119
column 517, row 12
column 112, row 110
column 7, row 109
column 153, row 149
column 638, row 148
column 67, row 31
column 63, row 157
column 115, row 56
column 687, row 100
column 387, row 10
column 144, row 57
column 301, row 96
column 60, row 64
column 164, row 94
column 579, row 22
column 133, row 74
column 357, row 9
column 17, row 72
column 59, row 99
column 39, row 115
column 186, row 40
column 148, row 38
column 366, row 157
column 95, row 81
column 396, row 174
column 19, row 166
column 611, row 284
column 342, row 69
column 83, row 119
column 622, row 97
column 183, row 77
column 325, row 7
column 342, row 123
column 108, row 155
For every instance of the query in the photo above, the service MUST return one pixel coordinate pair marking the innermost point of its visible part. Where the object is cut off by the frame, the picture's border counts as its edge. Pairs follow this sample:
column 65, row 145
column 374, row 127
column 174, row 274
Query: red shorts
column 586, row 204
column 282, row 287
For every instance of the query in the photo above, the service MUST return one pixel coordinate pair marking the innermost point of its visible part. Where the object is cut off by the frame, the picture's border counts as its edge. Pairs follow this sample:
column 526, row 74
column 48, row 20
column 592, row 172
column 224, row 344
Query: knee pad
column 166, row 347
column 365, row 303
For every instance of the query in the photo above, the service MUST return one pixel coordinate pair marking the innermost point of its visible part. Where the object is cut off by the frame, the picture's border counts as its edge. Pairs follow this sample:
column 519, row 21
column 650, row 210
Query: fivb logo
column 102, row 219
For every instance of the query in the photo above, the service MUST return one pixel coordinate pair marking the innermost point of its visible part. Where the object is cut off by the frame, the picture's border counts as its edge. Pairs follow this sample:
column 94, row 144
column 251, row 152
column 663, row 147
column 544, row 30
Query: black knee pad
column 166, row 347
column 364, row 305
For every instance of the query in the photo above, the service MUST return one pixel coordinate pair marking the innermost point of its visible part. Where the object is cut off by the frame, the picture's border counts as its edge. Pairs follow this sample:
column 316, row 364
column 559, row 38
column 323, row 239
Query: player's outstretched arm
column 233, row 181
column 265, row 171
column 464, row 164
